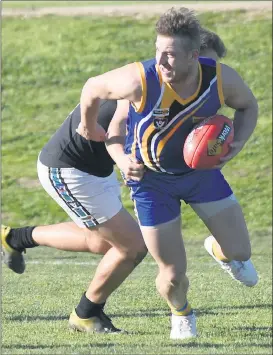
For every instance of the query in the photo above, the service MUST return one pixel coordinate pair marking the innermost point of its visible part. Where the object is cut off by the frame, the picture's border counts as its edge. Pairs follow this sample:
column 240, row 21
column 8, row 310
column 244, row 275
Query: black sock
column 21, row 238
column 87, row 308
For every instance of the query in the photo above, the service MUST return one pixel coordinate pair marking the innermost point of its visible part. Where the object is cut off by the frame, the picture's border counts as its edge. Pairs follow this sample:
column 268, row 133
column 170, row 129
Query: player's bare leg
column 165, row 244
column 128, row 249
column 119, row 239
column 229, row 244
column 65, row 236
column 68, row 236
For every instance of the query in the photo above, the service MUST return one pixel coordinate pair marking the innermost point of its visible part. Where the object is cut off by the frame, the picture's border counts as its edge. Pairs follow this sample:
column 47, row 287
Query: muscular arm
column 121, row 83
column 239, row 97
column 131, row 169
column 117, row 131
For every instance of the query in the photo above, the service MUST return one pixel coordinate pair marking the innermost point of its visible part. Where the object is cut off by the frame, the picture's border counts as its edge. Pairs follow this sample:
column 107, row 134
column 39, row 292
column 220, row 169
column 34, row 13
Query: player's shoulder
column 130, row 73
column 227, row 70
column 229, row 75
column 148, row 64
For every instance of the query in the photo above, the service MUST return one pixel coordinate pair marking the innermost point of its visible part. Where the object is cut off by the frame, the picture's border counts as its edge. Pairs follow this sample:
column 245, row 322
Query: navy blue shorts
column 157, row 196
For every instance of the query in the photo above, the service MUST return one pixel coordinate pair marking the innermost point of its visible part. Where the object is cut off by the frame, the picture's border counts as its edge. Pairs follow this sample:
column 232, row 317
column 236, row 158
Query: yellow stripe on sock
column 218, row 256
column 185, row 312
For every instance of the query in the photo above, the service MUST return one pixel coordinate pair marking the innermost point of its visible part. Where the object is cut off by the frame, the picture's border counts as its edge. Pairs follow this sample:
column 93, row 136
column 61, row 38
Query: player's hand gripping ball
column 208, row 142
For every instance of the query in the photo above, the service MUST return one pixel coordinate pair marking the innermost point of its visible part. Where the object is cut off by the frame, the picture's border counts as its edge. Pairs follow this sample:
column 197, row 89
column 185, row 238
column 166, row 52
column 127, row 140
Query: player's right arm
column 121, row 83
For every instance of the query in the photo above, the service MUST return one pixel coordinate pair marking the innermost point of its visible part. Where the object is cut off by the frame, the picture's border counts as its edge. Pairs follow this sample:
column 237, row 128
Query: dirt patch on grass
column 139, row 10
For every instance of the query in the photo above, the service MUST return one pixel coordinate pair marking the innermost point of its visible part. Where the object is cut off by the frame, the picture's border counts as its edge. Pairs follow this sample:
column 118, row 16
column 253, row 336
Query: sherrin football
column 208, row 142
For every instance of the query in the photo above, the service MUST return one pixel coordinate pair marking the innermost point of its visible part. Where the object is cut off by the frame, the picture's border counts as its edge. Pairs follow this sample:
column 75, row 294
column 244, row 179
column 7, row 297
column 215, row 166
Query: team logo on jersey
column 161, row 117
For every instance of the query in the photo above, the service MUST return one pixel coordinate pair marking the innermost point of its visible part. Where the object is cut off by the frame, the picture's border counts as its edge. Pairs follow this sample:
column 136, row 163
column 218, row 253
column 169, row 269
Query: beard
column 184, row 75
column 176, row 77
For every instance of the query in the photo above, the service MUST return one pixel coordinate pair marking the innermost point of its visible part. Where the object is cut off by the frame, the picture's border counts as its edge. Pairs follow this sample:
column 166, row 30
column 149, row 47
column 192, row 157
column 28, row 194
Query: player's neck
column 188, row 85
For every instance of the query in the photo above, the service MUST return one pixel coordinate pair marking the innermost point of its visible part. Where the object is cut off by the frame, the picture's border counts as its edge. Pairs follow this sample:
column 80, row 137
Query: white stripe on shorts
column 57, row 181
column 87, row 199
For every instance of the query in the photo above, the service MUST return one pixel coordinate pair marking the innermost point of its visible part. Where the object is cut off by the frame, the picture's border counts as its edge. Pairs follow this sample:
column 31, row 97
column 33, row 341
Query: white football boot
column 183, row 327
column 242, row 271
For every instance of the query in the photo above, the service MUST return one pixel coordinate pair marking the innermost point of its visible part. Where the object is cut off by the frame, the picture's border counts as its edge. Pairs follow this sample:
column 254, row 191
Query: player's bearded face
column 173, row 61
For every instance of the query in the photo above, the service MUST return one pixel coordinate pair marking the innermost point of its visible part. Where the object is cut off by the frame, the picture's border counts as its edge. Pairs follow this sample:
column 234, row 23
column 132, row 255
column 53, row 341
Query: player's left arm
column 131, row 169
column 238, row 96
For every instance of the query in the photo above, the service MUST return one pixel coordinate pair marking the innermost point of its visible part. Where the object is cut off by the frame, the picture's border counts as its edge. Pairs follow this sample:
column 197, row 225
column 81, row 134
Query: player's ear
column 195, row 54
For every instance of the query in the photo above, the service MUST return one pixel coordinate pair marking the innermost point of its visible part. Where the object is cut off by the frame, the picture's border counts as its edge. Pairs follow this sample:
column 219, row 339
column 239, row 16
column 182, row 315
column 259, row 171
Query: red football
column 208, row 142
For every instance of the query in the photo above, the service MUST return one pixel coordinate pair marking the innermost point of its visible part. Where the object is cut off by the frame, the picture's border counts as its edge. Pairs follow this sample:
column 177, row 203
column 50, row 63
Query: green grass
column 45, row 63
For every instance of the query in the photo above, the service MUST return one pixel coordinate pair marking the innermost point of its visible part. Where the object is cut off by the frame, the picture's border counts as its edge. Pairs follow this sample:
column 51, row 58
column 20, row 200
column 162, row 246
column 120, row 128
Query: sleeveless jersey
column 67, row 148
column 157, row 131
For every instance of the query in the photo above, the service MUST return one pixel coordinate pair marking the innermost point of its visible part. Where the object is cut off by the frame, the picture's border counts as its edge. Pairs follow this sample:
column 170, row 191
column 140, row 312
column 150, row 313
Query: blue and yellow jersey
column 157, row 130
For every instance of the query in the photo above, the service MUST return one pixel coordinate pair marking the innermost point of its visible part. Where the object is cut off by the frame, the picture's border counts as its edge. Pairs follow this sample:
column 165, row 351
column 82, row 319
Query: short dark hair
column 180, row 22
column 210, row 40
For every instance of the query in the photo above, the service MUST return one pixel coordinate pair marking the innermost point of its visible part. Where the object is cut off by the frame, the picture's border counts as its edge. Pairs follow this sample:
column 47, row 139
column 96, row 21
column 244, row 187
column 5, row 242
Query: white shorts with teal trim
column 87, row 199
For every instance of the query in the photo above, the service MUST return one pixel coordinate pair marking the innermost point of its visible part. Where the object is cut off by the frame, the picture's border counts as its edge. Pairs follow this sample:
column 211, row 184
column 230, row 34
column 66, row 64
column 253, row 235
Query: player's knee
column 136, row 253
column 97, row 245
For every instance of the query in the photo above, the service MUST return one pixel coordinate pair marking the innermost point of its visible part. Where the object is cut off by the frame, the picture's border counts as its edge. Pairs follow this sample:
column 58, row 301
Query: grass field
column 45, row 62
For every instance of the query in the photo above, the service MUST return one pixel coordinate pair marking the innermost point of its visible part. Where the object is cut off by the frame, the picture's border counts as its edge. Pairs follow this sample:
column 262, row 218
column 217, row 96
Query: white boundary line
column 88, row 263
column 71, row 262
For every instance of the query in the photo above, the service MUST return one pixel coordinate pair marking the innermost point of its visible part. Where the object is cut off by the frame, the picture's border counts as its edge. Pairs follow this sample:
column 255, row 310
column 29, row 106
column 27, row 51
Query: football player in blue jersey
column 165, row 95
column 68, row 235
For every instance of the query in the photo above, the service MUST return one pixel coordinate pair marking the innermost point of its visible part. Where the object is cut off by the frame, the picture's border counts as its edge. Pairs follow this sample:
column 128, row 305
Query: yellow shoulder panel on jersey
column 144, row 88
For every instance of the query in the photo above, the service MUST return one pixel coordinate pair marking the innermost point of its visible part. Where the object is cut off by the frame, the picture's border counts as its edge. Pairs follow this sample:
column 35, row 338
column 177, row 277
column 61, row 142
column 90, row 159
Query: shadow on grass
column 246, row 306
column 30, row 346
column 171, row 344
column 23, row 318
column 157, row 312
column 213, row 345
column 174, row 344
column 251, row 329
column 263, row 332
column 53, row 346
column 230, row 309
column 151, row 313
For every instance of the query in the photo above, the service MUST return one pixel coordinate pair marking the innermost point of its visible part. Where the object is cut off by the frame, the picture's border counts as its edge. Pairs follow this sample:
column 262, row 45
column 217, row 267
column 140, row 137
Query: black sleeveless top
column 67, row 148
